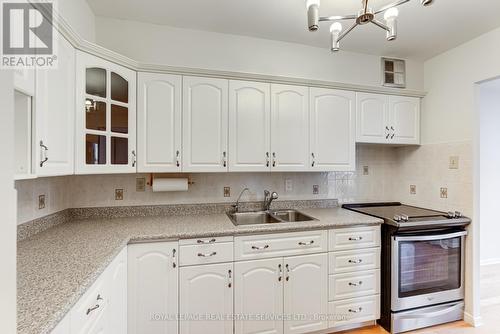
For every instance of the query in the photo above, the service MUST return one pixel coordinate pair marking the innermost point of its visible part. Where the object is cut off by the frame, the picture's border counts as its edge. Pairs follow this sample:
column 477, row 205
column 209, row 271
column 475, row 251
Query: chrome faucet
column 237, row 205
column 268, row 198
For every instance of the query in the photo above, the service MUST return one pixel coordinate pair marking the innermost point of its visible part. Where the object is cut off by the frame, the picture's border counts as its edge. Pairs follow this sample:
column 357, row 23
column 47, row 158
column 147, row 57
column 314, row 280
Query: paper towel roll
column 167, row 184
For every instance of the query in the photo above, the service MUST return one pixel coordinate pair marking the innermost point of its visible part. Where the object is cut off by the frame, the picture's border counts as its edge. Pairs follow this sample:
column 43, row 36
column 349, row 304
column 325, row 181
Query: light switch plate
column 119, row 194
column 140, row 184
column 315, row 189
column 366, row 170
column 227, row 191
column 288, row 185
column 413, row 189
column 41, row 202
column 454, row 162
column 444, row 192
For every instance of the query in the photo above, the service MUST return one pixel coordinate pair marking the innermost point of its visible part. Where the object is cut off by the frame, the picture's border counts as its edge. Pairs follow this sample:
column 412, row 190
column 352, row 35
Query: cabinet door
column 306, row 292
column 105, row 116
column 372, row 124
column 249, row 122
column 204, row 124
column 117, row 303
column 405, row 120
column 259, row 290
column 152, row 288
column 55, row 114
column 159, row 123
column 206, row 290
column 290, row 128
column 332, row 130
column 24, row 80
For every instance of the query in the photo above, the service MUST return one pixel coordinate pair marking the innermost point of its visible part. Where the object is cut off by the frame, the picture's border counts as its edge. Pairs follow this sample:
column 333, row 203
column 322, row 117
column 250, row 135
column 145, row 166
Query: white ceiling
column 423, row 31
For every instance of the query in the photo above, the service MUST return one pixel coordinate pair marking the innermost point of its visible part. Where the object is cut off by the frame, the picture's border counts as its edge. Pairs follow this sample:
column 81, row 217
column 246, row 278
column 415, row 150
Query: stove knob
column 405, row 218
column 397, row 218
column 458, row 214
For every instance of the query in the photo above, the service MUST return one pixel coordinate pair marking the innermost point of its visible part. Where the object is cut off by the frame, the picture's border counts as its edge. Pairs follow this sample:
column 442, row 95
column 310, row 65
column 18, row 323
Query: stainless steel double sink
column 268, row 217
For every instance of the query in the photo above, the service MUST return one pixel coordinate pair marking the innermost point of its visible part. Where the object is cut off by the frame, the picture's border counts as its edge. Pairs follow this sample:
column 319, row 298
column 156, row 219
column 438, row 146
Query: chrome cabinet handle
column 355, row 238
column 393, row 132
column 177, row 162
column 99, row 297
column 280, row 271
column 134, row 158
column 355, row 283
column 260, row 248
column 93, row 308
column 267, row 159
column 230, row 278
column 306, row 243
column 224, row 161
column 287, row 272
column 211, row 241
column 356, row 311
column 173, row 258
column 274, row 159
column 207, row 254
column 387, row 130
column 356, row 261
column 313, row 160
column 43, row 153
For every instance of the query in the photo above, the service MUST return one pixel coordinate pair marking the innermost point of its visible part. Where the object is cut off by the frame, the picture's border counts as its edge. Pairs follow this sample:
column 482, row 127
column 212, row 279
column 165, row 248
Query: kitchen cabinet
column 290, row 128
column 24, row 80
column 306, row 293
column 259, row 290
column 153, row 288
column 55, row 114
column 206, row 299
column 249, row 126
column 204, row 124
column 117, row 303
column 332, row 130
column 159, row 122
column 384, row 119
column 105, row 116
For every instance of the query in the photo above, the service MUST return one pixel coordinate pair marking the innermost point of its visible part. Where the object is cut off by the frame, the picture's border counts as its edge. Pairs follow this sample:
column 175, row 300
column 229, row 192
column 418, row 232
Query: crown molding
column 81, row 44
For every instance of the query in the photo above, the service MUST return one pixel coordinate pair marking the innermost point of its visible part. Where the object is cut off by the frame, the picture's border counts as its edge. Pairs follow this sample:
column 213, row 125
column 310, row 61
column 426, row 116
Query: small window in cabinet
column 95, row 152
column 119, row 88
column 119, row 119
column 119, row 151
column 96, row 82
column 95, row 115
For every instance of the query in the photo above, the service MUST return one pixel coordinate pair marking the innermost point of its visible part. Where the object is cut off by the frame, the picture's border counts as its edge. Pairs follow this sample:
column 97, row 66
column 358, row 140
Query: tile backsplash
column 382, row 174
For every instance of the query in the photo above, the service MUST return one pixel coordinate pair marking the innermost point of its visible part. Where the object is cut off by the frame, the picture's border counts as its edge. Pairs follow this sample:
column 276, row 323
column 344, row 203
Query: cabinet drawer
column 352, row 285
column 206, row 253
column 354, row 238
column 353, row 260
column 280, row 244
column 204, row 241
column 352, row 311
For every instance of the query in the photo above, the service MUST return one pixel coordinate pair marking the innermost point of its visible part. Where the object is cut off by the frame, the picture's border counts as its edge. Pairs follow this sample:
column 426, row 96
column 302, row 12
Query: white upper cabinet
column 384, row 119
column 55, row 114
column 290, row 128
column 159, row 123
column 404, row 113
column 205, row 124
column 105, row 116
column 249, row 126
column 372, row 118
column 206, row 290
column 332, row 130
column 153, row 288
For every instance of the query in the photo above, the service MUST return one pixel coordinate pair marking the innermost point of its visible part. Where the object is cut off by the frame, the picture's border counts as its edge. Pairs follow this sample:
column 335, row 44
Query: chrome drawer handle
column 356, row 311
column 211, row 241
column 207, row 254
column 260, row 248
column 280, row 273
column 356, row 261
column 306, row 243
column 356, row 284
column 355, row 238
column 92, row 308
column 287, row 273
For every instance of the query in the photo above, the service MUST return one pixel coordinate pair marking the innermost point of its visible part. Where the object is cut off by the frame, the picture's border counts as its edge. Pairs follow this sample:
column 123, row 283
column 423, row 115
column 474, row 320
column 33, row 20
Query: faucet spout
column 268, row 198
column 237, row 205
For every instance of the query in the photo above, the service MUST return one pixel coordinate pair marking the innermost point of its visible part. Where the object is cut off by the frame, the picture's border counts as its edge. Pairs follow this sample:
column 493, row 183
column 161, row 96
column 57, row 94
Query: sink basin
column 291, row 216
column 268, row 217
column 252, row 218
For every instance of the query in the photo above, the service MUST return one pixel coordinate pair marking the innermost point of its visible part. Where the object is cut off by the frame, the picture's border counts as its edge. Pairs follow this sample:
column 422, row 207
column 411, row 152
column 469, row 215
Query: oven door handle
column 431, row 237
column 447, row 309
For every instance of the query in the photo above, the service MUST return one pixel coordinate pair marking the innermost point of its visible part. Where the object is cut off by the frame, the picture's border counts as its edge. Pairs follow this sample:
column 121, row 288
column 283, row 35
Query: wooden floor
column 490, row 311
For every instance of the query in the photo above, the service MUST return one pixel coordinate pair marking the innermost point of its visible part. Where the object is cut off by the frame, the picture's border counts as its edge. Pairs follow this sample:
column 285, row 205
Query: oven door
column 427, row 269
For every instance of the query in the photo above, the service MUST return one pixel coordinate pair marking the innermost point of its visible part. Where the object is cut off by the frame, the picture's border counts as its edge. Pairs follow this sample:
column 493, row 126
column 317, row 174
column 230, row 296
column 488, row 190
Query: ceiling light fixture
column 364, row 16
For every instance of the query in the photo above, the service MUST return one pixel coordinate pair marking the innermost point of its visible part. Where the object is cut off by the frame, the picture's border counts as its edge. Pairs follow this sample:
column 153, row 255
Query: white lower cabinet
column 152, row 288
column 206, row 299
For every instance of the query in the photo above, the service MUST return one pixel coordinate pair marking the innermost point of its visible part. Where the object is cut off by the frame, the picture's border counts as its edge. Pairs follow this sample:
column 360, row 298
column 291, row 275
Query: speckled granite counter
column 56, row 266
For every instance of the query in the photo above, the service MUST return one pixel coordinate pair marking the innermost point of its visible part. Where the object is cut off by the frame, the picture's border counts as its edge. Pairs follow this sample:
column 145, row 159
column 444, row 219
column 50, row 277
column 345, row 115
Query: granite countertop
column 56, row 267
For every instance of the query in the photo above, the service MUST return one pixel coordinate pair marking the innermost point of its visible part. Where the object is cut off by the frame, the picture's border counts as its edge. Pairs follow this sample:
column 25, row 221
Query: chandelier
column 364, row 16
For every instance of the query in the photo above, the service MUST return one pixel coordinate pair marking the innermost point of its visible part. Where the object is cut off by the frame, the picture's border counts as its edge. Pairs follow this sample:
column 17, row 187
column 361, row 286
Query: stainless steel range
column 423, row 255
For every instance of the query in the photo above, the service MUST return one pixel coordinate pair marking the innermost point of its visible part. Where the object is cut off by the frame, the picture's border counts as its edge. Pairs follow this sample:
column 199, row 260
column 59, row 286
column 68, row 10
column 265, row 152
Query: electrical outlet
column 227, row 191
column 288, row 185
column 413, row 189
column 366, row 170
column 444, row 192
column 119, row 194
column 41, row 202
column 454, row 162
column 315, row 189
column 140, row 184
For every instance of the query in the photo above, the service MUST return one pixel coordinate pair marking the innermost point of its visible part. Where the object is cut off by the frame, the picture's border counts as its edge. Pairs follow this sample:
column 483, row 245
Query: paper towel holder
column 152, row 176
